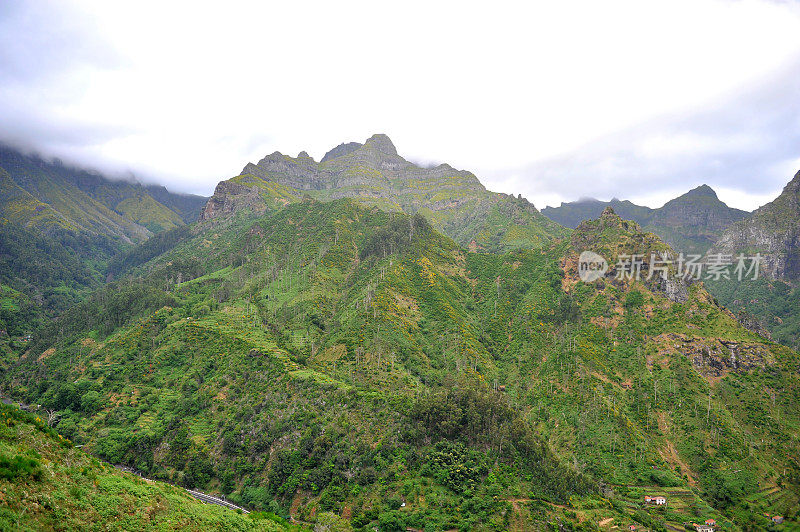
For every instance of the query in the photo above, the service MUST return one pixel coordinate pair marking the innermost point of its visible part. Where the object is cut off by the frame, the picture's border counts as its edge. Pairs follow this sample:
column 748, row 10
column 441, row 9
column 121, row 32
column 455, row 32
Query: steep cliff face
column 454, row 201
column 772, row 230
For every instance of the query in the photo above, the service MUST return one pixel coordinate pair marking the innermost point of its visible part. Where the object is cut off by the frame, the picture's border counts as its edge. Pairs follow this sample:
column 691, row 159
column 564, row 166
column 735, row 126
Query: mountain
column 571, row 214
column 59, row 227
column 771, row 301
column 331, row 357
column 453, row 201
column 690, row 223
column 48, row 484
column 694, row 221
column 772, row 230
column 86, row 201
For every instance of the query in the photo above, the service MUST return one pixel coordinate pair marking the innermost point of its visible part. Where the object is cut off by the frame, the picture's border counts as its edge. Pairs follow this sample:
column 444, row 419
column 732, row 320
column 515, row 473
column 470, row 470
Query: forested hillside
column 46, row 483
column 331, row 357
column 59, row 228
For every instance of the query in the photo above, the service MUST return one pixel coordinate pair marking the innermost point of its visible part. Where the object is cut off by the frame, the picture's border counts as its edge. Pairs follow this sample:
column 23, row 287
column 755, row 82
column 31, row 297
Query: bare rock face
column 715, row 357
column 454, row 201
column 675, row 289
column 773, row 231
column 341, row 150
column 229, row 197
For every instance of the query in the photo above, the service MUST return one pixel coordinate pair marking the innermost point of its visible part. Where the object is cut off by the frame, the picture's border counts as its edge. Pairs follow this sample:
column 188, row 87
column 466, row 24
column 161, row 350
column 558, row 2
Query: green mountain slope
column 771, row 301
column 43, row 273
column 453, row 201
column 571, row 214
column 285, row 379
column 690, row 223
column 334, row 357
column 47, row 484
column 60, row 226
column 92, row 203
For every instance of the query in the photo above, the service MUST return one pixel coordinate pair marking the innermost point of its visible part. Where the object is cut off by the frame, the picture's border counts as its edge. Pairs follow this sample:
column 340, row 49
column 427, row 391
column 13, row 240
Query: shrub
column 19, row 466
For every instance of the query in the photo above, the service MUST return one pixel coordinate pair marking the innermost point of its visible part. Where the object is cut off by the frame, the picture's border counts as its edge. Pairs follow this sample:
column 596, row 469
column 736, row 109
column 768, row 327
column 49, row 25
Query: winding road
column 202, row 497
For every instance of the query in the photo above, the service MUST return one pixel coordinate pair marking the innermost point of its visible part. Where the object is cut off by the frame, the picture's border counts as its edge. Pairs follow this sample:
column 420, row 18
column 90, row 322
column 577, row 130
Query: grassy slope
column 289, row 353
column 47, row 484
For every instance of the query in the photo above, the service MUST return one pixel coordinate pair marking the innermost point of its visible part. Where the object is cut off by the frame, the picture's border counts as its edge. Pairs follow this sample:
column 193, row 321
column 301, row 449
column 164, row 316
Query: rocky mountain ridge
column 454, row 201
column 772, row 230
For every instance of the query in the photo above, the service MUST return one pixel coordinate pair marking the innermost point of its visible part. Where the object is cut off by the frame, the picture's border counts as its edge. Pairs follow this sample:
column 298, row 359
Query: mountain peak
column 702, row 191
column 382, row 143
column 608, row 212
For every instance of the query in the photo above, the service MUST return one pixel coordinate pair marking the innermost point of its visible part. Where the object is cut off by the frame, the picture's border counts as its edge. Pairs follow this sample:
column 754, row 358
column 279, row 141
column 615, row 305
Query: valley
column 363, row 342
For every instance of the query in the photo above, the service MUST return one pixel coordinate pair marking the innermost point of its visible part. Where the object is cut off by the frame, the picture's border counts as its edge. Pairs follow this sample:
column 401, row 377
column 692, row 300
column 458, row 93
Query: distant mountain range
column 60, row 225
column 690, row 223
column 45, row 194
column 364, row 343
column 454, row 201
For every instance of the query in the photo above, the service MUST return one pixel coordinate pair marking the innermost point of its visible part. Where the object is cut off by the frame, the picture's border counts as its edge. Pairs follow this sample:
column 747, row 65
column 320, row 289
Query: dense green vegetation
column 771, row 304
column 60, row 228
column 346, row 365
column 47, row 484
column 328, row 359
column 690, row 223
column 39, row 277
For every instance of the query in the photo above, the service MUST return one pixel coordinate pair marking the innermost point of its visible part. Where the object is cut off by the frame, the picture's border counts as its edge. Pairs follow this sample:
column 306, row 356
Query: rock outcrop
column 773, row 231
column 454, row 201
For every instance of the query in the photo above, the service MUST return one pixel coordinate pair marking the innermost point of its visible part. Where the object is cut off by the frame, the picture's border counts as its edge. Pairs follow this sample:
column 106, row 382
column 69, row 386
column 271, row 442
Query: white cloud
column 198, row 89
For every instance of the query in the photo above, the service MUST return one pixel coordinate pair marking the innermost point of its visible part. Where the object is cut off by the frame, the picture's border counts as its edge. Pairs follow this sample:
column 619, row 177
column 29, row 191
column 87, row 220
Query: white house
column 658, row 500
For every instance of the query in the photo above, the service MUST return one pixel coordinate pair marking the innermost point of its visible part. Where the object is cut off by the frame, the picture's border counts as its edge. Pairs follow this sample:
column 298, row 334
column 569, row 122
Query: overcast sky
column 556, row 101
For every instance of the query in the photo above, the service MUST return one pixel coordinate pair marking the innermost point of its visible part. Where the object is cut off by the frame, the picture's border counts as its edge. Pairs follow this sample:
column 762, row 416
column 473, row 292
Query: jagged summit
column 702, row 190
column 608, row 211
column 382, row 143
column 454, row 201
